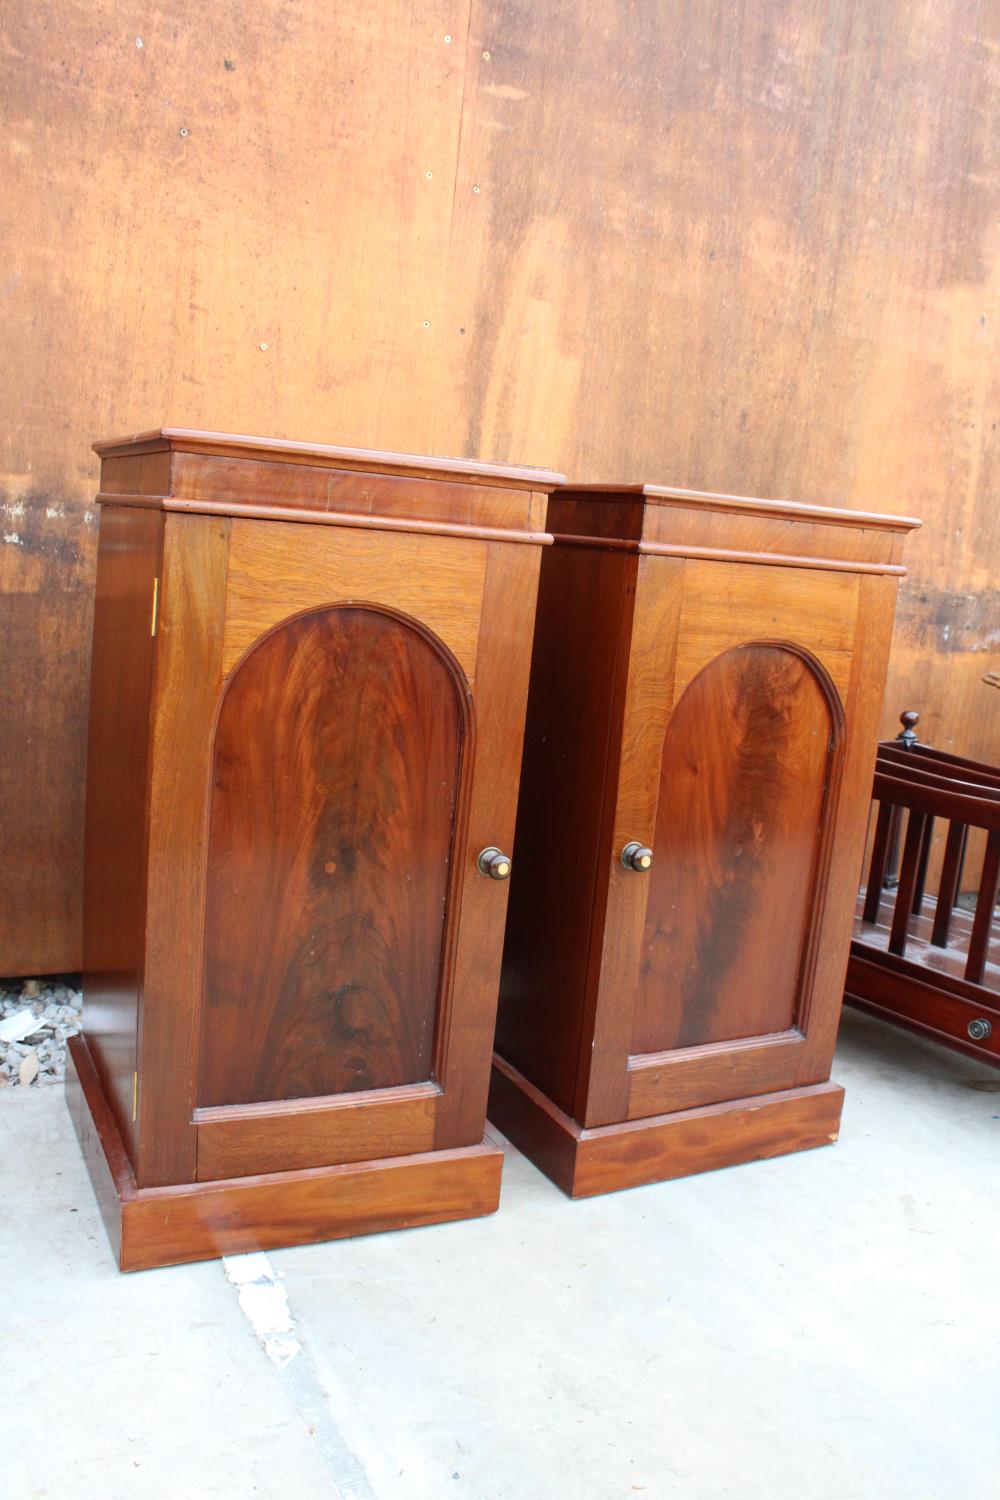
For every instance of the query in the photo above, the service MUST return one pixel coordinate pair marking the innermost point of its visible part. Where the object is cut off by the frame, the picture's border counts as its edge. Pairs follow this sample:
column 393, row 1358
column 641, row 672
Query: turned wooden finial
column 908, row 734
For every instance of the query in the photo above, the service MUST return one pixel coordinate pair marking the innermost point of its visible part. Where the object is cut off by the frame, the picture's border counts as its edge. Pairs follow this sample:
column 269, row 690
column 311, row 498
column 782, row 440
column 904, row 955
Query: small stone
column 28, row 1070
column 31, row 989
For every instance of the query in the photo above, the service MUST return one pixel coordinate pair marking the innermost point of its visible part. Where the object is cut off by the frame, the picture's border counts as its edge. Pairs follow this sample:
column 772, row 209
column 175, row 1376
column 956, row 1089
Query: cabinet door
column 733, row 753
column 342, row 754
column 365, row 747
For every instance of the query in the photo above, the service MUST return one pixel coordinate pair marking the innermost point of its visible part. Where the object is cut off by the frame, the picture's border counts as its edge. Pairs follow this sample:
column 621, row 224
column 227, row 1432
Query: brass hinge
column 156, row 601
column 135, row 1095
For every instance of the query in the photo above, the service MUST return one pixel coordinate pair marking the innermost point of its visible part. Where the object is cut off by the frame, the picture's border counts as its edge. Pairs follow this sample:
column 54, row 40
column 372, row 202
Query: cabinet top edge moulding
column 728, row 528
column 183, row 440
column 799, row 510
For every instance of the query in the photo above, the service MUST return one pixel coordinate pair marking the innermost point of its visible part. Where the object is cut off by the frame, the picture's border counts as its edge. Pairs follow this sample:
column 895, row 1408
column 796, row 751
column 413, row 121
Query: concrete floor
column 823, row 1326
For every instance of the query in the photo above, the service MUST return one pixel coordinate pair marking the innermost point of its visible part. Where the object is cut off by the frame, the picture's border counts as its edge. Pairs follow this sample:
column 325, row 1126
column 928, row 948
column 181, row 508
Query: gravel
column 40, row 1056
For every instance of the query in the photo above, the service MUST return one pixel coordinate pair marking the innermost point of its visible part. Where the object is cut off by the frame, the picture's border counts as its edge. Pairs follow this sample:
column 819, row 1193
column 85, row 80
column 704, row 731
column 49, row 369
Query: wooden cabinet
column 704, row 705
column 309, row 679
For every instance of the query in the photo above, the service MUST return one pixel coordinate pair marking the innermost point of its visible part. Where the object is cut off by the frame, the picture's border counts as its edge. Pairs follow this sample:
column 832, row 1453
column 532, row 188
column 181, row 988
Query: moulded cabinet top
column 795, row 510
column 324, row 455
column 737, row 528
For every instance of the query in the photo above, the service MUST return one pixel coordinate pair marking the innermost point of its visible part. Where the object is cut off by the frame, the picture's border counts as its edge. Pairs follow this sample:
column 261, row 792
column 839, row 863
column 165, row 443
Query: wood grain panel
column 278, row 568
column 723, row 232
column 45, row 655
column 187, row 685
column 727, row 604
column 639, row 719
column 248, row 479
column 862, row 709
column 117, row 792
column 582, row 599
column 239, row 223
column 469, row 1020
column 315, row 1132
column 145, row 473
column 738, row 829
column 771, row 266
column 691, row 1077
column 338, row 758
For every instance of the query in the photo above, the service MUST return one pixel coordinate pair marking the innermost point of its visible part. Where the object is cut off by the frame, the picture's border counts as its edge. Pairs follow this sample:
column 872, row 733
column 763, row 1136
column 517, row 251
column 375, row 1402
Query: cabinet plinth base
column 601, row 1160
column 165, row 1226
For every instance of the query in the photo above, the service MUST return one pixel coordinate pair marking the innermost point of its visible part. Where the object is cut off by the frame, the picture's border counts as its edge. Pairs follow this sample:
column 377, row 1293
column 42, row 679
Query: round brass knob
column 494, row 863
column 637, row 857
column 980, row 1029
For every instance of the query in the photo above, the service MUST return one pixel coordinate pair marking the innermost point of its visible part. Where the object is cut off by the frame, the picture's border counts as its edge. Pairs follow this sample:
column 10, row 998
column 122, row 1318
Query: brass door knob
column 637, row 857
column 494, row 863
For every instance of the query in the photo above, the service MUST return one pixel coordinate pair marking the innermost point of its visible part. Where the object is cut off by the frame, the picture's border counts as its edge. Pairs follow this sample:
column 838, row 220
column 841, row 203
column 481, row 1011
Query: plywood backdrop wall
column 746, row 246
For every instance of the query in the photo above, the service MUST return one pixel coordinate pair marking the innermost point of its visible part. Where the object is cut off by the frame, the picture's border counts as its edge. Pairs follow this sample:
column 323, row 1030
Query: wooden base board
column 166, row 1226
column 601, row 1160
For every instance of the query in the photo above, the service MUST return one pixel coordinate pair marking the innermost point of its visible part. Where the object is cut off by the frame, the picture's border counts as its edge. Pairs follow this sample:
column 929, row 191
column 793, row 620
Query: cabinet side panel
column 117, row 763
column 584, row 596
column 338, row 756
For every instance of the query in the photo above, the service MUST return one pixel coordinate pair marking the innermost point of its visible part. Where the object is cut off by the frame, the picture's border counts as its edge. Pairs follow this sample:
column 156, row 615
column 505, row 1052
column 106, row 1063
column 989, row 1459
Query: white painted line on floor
column 265, row 1305
column 322, row 1400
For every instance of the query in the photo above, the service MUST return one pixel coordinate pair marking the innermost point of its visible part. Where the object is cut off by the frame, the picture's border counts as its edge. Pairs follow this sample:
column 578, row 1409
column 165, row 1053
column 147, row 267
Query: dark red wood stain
column 739, row 819
column 337, row 765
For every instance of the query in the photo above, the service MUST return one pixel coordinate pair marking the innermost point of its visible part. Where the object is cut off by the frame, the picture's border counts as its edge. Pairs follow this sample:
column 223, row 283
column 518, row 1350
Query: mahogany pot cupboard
column 706, row 689
column 309, row 680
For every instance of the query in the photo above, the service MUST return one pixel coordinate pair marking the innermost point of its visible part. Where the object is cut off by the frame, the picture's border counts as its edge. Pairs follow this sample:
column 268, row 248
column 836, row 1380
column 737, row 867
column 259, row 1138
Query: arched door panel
column 337, row 780
column 740, row 815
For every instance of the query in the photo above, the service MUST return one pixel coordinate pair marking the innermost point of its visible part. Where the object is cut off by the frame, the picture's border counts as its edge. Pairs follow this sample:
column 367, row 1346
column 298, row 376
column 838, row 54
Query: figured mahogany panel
column 338, row 761
column 743, row 789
